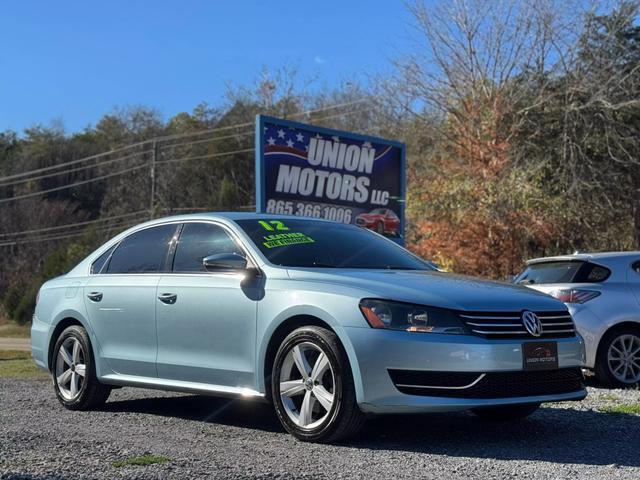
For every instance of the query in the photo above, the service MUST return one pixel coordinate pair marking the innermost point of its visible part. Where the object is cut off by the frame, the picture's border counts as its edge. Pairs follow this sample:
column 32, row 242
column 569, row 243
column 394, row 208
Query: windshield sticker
column 286, row 239
column 273, row 225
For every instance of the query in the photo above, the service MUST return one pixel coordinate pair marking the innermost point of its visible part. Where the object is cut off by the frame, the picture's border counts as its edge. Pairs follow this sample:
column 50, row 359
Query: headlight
column 411, row 318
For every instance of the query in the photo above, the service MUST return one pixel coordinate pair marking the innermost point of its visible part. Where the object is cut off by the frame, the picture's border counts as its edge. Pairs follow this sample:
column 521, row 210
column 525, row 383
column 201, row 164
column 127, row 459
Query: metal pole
column 152, row 175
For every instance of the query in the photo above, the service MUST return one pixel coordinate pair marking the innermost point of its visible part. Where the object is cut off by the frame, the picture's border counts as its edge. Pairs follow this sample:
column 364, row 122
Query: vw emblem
column 532, row 323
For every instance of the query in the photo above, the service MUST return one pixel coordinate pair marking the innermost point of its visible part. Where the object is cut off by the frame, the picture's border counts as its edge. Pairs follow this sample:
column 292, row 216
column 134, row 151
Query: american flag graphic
column 282, row 139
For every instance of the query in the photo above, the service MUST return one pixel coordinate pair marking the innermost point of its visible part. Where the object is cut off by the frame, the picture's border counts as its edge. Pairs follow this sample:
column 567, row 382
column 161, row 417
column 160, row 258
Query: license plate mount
column 540, row 355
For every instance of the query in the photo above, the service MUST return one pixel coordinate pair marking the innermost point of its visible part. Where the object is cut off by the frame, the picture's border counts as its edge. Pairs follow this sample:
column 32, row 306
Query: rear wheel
column 312, row 387
column 507, row 412
column 618, row 359
column 74, row 374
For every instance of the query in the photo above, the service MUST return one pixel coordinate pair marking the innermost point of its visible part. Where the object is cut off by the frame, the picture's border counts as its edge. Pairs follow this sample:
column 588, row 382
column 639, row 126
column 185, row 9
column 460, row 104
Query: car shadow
column 591, row 381
column 556, row 435
column 202, row 408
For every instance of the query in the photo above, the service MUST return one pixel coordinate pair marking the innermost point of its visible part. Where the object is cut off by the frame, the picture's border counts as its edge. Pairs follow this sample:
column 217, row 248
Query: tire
column 615, row 341
column 380, row 228
column 506, row 413
column 74, row 390
column 326, row 389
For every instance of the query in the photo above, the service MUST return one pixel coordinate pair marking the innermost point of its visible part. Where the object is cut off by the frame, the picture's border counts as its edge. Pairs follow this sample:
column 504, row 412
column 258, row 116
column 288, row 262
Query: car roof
column 586, row 257
column 228, row 216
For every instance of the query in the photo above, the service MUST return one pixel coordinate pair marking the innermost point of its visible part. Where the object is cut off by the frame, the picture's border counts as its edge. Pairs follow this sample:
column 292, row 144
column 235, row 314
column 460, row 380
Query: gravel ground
column 204, row 437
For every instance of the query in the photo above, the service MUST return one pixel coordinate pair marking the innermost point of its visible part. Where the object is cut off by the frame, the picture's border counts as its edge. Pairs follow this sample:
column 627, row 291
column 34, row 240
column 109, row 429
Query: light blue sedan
column 329, row 322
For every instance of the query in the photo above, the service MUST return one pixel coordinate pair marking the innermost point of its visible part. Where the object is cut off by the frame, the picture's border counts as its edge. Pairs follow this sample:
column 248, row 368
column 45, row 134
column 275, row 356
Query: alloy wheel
column 624, row 358
column 71, row 368
column 307, row 385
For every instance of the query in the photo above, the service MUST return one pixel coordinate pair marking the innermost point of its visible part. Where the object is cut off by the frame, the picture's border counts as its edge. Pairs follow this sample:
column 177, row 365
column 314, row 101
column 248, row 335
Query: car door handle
column 94, row 296
column 168, row 298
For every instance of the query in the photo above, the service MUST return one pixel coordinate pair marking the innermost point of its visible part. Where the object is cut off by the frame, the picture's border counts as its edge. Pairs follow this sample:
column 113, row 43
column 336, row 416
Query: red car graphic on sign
column 382, row 220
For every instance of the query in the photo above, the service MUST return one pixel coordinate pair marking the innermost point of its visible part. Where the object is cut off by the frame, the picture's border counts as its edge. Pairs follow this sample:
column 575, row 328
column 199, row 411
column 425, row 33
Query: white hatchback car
column 602, row 291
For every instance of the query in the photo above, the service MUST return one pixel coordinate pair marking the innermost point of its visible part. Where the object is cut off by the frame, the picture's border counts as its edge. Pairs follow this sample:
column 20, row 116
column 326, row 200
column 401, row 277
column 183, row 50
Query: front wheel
column 312, row 387
column 74, row 372
column 507, row 412
column 618, row 359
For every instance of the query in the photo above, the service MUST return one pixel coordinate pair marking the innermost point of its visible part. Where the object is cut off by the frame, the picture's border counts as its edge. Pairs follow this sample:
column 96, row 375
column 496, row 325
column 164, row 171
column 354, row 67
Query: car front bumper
column 591, row 328
column 378, row 351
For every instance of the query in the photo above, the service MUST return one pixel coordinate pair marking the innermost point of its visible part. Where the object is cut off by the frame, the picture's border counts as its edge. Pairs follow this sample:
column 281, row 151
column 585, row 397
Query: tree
column 461, row 89
column 584, row 140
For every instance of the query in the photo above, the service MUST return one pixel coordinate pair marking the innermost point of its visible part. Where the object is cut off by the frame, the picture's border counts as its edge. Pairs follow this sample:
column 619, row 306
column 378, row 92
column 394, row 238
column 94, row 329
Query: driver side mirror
column 224, row 261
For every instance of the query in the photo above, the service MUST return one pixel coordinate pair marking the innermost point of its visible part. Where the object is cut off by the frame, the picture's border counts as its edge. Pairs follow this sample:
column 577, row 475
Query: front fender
column 312, row 311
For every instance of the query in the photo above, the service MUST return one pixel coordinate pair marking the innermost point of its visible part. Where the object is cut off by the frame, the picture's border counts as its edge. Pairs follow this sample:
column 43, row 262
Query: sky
column 73, row 61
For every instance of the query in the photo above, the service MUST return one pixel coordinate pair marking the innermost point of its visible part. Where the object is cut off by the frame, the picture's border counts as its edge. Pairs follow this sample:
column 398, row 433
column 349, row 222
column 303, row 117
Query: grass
column 610, row 397
column 14, row 364
column 141, row 461
column 14, row 355
column 628, row 409
column 10, row 329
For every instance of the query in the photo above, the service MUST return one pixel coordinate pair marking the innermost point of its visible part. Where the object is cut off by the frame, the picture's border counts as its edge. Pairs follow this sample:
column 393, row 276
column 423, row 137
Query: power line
column 209, row 155
column 172, row 137
column 115, row 217
column 71, row 171
column 63, row 187
column 77, row 224
column 247, row 124
column 126, row 157
column 118, row 225
column 204, row 209
column 121, row 172
column 64, row 235
column 71, row 162
column 207, row 140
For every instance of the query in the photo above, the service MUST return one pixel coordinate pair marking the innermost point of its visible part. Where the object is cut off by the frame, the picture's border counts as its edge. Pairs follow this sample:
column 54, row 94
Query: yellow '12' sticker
column 272, row 225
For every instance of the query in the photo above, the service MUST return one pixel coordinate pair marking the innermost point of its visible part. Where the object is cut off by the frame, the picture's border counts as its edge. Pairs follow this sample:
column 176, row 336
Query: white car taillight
column 574, row 295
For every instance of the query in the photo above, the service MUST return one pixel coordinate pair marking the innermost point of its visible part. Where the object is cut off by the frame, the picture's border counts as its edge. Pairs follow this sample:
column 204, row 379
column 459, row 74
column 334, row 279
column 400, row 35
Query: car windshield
column 292, row 242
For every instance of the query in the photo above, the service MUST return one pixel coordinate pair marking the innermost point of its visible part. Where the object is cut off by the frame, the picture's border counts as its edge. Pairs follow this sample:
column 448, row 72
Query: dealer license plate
column 540, row 355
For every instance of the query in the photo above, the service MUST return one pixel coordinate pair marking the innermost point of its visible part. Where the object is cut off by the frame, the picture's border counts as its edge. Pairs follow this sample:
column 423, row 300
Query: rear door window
column 198, row 241
column 143, row 252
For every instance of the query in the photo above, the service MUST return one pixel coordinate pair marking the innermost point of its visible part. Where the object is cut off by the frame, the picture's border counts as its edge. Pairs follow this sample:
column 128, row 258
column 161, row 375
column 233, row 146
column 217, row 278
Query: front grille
column 509, row 324
column 488, row 385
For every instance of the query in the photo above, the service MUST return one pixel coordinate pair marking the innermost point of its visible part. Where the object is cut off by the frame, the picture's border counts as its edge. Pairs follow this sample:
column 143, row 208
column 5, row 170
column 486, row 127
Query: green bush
column 27, row 304
column 20, row 299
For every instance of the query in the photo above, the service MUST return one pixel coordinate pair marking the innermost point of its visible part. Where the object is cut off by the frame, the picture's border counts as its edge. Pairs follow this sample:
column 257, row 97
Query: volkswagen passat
column 329, row 322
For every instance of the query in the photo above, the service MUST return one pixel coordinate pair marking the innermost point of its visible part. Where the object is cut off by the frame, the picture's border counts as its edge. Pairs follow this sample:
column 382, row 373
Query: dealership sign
column 317, row 172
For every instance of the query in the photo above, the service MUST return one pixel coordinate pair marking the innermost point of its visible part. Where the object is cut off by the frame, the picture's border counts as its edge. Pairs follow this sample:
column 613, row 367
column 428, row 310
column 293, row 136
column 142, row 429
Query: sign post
column 317, row 172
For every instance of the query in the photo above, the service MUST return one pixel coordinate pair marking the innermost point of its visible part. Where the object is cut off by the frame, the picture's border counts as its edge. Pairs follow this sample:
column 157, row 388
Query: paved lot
column 208, row 438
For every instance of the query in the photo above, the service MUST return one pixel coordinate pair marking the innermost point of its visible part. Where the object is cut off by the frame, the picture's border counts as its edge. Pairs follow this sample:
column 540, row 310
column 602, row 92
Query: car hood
column 438, row 289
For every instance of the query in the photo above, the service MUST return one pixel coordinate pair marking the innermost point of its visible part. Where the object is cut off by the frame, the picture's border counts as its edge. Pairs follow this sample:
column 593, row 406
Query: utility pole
column 152, row 178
